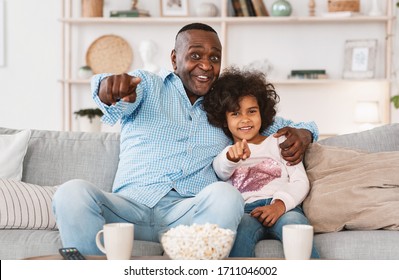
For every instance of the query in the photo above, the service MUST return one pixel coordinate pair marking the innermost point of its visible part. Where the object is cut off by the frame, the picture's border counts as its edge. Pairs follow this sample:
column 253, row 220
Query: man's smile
column 203, row 78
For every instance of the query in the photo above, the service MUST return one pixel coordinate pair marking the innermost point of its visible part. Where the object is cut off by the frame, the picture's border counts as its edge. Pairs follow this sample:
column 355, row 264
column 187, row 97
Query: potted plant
column 89, row 119
column 395, row 101
column 85, row 72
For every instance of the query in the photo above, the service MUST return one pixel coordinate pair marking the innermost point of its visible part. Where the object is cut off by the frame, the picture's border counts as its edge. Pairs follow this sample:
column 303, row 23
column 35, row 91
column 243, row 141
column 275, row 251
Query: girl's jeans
column 250, row 230
column 81, row 210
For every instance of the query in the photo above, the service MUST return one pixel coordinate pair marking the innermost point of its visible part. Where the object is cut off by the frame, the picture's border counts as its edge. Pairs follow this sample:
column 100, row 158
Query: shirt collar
column 167, row 74
column 164, row 73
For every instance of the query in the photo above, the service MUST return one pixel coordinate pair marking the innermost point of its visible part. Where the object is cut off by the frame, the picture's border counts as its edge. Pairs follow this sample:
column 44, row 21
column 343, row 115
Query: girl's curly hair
column 234, row 84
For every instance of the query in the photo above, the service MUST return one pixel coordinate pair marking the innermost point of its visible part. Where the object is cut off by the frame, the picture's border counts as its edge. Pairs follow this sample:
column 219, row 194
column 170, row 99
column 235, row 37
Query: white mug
column 297, row 241
column 118, row 241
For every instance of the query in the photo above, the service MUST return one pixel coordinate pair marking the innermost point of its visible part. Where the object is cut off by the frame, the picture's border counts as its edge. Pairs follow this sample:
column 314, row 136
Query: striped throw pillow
column 26, row 206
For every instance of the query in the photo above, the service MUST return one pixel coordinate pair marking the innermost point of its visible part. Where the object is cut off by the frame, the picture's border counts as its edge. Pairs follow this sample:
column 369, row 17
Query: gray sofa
column 55, row 157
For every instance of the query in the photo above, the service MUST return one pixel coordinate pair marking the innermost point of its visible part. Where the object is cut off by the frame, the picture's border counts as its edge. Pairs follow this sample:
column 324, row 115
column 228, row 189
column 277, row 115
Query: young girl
column 242, row 103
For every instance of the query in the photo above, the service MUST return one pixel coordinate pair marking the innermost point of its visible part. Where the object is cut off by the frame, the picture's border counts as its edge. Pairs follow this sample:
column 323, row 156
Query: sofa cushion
column 351, row 189
column 358, row 245
column 380, row 139
column 13, row 148
column 19, row 244
column 25, row 206
column 54, row 157
column 343, row 245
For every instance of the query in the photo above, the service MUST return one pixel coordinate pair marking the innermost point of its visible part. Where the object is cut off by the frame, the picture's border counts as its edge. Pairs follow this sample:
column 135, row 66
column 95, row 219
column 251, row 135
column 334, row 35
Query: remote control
column 71, row 254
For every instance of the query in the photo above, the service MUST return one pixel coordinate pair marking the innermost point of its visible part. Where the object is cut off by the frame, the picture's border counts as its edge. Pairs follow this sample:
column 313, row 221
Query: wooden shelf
column 230, row 20
column 144, row 20
column 291, row 20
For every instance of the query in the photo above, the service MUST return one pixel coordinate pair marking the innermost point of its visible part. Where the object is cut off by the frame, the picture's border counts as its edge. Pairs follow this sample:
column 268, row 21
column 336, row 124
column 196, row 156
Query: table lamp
column 367, row 114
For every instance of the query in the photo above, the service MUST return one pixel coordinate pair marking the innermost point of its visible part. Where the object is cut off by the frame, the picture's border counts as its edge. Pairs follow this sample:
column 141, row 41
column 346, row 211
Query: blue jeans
column 250, row 230
column 81, row 210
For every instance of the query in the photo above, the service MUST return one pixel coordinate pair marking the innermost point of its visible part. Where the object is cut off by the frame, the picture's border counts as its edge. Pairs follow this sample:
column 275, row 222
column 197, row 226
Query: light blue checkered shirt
column 166, row 142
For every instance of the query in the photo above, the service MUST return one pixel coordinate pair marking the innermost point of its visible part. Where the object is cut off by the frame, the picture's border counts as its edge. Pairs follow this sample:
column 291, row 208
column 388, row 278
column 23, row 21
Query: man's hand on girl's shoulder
column 294, row 147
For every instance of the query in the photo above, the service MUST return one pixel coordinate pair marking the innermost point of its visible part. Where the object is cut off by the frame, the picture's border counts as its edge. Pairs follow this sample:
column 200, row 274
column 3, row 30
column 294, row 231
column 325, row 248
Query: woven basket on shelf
column 109, row 54
column 343, row 5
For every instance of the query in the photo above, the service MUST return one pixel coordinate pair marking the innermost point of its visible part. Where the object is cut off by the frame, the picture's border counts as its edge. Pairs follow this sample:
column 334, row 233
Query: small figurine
column 134, row 4
column 148, row 51
column 312, row 6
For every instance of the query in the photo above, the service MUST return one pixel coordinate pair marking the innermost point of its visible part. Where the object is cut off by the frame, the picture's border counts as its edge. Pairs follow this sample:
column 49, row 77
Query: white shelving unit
column 295, row 42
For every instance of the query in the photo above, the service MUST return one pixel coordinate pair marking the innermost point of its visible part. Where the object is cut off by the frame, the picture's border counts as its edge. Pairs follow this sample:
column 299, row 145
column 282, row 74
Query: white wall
column 29, row 92
column 28, row 82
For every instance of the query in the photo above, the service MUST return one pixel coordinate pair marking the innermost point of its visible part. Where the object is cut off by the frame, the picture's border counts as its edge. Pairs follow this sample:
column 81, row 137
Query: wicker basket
column 109, row 54
column 343, row 5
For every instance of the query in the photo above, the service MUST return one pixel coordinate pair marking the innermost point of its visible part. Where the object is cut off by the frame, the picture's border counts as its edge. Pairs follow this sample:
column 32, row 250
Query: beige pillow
column 351, row 189
column 25, row 206
column 13, row 148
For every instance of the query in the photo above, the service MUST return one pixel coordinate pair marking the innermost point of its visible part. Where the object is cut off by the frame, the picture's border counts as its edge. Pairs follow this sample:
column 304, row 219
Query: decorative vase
column 207, row 10
column 92, row 8
column 375, row 9
column 281, row 8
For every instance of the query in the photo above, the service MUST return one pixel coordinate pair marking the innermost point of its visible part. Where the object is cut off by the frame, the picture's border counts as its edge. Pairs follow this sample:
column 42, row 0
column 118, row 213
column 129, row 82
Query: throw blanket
column 352, row 189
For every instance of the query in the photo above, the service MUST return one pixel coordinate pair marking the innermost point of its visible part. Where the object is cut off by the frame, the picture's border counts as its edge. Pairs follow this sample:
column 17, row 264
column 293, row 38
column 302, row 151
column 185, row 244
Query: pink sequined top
column 265, row 174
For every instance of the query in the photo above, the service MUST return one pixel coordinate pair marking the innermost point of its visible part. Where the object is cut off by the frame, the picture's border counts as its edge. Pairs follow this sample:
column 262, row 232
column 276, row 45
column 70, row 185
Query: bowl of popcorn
column 197, row 242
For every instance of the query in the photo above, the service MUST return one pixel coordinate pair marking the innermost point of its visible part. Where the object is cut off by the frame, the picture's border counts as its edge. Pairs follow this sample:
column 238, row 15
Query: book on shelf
column 308, row 74
column 237, row 8
column 244, row 8
column 260, row 8
column 308, row 71
column 251, row 9
column 308, row 77
column 130, row 13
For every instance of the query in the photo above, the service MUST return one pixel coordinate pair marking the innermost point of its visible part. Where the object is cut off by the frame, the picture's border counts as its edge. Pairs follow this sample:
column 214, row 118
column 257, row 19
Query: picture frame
column 174, row 8
column 360, row 59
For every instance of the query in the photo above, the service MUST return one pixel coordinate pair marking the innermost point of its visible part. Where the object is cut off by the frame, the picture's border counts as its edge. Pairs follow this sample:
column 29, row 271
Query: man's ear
column 173, row 59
